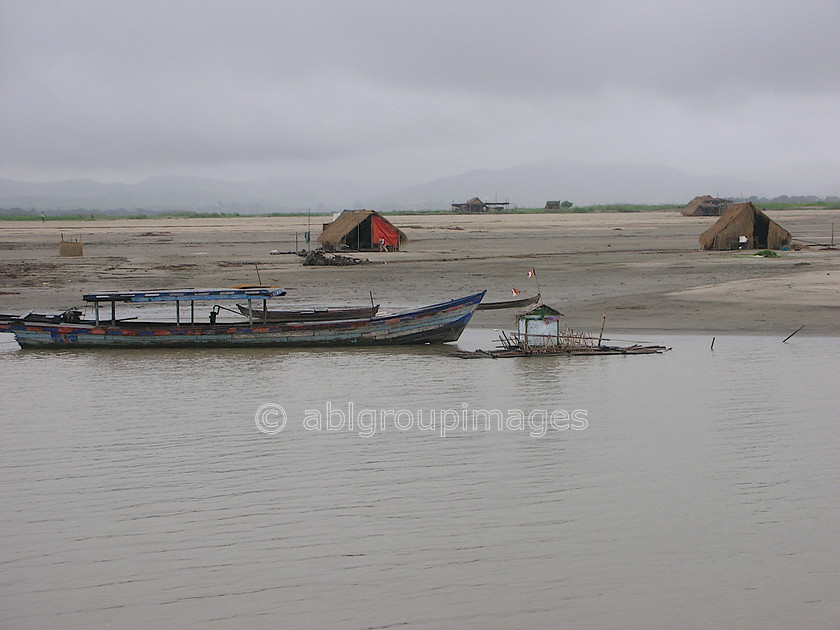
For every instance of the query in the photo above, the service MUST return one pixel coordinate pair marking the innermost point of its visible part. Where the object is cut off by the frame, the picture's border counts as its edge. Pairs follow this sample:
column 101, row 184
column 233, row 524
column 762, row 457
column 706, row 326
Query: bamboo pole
column 793, row 333
column 603, row 323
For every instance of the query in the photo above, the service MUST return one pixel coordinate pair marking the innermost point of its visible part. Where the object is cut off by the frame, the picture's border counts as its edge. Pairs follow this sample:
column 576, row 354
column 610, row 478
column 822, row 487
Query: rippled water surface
column 702, row 488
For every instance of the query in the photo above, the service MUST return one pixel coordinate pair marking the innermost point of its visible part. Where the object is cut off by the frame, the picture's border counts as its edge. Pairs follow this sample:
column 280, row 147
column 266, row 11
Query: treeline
column 796, row 200
column 81, row 214
column 31, row 214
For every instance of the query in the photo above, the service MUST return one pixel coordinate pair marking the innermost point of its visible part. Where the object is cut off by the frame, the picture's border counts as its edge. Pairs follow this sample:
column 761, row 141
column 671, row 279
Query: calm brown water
column 704, row 490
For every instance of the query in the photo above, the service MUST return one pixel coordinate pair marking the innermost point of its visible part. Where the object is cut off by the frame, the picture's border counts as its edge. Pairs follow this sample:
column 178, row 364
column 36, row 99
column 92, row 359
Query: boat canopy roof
column 185, row 295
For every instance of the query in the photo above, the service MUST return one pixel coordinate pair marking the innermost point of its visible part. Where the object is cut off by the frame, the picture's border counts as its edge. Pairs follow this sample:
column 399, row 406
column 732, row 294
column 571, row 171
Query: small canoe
column 311, row 314
column 519, row 303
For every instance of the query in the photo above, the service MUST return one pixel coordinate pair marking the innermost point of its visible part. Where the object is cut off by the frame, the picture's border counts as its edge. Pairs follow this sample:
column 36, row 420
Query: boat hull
column 439, row 323
column 520, row 303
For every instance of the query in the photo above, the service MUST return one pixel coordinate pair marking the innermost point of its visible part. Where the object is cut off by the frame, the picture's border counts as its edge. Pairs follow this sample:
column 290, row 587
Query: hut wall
column 538, row 331
column 68, row 248
column 777, row 236
column 745, row 220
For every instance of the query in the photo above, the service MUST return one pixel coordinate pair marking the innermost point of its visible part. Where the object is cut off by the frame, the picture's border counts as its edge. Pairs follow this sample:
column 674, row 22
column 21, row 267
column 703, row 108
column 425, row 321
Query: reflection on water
column 138, row 491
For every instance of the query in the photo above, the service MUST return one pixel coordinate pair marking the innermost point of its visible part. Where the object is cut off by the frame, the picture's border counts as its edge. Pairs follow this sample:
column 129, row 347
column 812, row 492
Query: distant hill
column 531, row 185
column 525, row 186
column 171, row 193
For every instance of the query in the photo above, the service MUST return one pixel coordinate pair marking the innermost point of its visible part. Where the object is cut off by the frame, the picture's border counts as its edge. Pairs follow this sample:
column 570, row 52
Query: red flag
column 532, row 273
column 514, row 291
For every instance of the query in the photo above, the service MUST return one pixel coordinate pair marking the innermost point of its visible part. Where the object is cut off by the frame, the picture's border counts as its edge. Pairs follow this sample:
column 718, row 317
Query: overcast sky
column 381, row 90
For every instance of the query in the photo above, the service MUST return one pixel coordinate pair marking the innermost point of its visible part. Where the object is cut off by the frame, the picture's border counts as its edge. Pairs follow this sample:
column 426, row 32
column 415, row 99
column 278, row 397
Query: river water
column 381, row 488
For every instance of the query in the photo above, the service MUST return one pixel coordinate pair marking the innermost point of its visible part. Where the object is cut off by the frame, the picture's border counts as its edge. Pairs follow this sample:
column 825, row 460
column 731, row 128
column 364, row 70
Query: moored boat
column 518, row 303
column 437, row 323
column 327, row 313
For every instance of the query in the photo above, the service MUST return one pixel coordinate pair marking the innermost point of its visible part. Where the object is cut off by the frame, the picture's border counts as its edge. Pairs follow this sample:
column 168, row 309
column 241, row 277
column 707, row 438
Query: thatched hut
column 706, row 206
column 477, row 205
column 362, row 230
column 744, row 226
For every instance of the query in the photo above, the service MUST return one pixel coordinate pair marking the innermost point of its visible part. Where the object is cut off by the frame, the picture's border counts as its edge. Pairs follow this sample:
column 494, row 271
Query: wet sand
column 642, row 270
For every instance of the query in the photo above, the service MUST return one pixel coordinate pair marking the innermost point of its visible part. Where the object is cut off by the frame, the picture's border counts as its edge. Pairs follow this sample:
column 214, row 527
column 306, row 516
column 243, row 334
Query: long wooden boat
column 519, row 303
column 315, row 314
column 438, row 323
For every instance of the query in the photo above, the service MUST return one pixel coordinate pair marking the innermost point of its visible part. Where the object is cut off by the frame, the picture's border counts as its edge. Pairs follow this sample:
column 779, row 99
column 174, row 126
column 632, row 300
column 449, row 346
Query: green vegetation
column 767, row 253
column 415, row 212
column 614, row 207
column 819, row 205
column 566, row 207
column 99, row 216
column 782, row 202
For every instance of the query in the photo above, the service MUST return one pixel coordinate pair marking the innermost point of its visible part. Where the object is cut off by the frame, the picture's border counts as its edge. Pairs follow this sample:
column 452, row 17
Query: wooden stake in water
column 603, row 323
column 793, row 333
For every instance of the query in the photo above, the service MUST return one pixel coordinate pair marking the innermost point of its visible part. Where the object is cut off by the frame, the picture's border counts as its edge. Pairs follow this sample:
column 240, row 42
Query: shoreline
column 644, row 270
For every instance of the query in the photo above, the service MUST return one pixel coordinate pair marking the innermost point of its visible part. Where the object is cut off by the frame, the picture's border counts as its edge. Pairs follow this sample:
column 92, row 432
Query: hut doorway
column 760, row 231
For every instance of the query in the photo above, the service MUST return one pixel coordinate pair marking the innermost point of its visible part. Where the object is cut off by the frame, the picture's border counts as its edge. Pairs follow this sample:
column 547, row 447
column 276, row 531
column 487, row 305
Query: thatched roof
column 706, row 206
column 335, row 232
column 744, row 219
column 477, row 205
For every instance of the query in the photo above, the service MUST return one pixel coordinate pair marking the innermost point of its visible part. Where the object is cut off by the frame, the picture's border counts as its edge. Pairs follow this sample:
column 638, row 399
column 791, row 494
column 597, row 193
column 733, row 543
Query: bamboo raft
column 567, row 343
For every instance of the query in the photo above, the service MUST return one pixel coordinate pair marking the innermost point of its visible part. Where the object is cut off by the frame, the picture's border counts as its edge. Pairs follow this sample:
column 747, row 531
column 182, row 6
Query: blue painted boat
column 438, row 323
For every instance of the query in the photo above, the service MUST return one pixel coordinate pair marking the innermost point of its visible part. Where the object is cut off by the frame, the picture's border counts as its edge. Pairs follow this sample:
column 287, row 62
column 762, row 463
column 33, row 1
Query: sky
column 416, row 90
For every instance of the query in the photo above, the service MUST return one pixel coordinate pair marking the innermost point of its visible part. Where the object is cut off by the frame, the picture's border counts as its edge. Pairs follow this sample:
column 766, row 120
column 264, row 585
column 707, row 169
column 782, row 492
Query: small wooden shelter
column 706, row 206
column 71, row 248
column 476, row 205
column 744, row 226
column 539, row 326
column 362, row 230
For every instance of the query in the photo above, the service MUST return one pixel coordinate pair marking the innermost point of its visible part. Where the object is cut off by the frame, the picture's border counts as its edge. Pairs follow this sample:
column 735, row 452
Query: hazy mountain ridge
column 529, row 185
column 167, row 193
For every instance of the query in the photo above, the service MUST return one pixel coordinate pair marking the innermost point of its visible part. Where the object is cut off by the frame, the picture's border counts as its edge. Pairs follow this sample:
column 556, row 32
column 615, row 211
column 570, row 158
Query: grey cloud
column 384, row 87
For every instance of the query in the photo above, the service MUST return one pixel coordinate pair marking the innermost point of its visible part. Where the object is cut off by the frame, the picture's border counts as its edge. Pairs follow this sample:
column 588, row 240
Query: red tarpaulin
column 384, row 232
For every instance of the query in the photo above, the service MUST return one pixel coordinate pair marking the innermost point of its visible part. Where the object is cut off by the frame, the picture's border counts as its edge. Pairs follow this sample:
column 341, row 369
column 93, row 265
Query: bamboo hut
column 476, row 205
column 744, row 226
column 705, row 206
